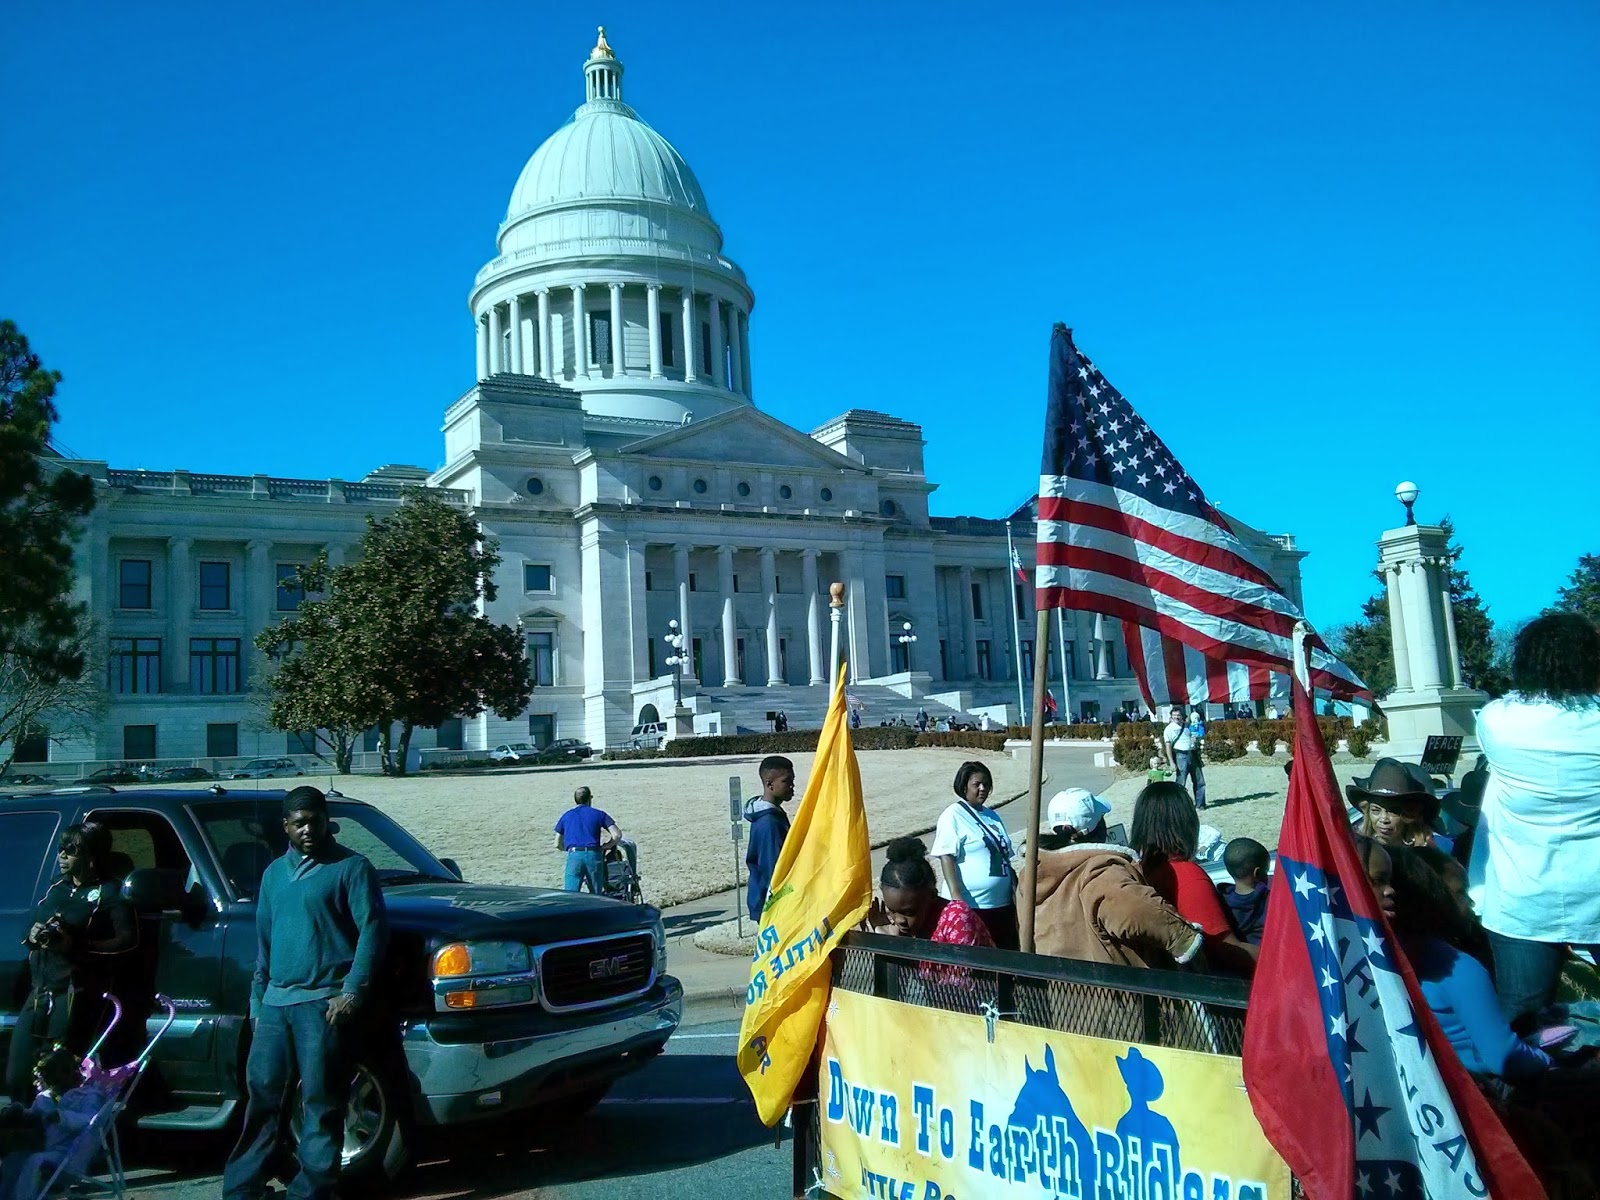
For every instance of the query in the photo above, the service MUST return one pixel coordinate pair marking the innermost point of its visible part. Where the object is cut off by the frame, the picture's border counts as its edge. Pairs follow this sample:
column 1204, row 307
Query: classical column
column 688, row 336
column 1425, row 646
column 1102, row 654
column 730, row 647
column 808, row 583
column 335, row 551
column 737, row 382
column 617, row 365
column 496, row 362
column 1397, row 628
column 580, row 334
column 483, row 348
column 680, row 574
column 969, row 624
column 654, row 303
column 546, row 357
column 516, row 335
column 718, row 351
column 180, row 613
column 744, row 353
column 1450, row 625
column 769, row 585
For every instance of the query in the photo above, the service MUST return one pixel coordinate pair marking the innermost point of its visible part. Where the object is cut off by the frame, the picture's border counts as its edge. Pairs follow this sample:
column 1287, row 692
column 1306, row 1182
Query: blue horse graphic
column 1042, row 1097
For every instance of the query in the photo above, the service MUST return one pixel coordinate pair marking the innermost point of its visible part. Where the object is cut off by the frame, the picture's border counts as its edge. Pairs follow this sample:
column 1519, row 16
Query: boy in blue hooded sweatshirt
column 769, row 825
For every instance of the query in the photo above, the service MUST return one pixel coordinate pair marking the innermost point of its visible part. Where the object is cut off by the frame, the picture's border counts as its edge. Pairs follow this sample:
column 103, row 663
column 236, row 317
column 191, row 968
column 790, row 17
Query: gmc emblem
column 607, row 968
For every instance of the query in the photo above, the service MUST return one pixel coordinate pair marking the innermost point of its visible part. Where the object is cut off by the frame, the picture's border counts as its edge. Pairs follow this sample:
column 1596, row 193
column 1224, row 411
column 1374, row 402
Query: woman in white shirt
column 973, row 853
column 1535, row 866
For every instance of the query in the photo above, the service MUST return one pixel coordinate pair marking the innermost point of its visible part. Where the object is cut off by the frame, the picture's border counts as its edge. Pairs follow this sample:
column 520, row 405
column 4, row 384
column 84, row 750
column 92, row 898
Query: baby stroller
column 622, row 871
column 70, row 1168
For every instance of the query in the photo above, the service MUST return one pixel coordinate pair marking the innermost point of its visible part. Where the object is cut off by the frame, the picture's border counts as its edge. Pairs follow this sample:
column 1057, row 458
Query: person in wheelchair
column 79, row 928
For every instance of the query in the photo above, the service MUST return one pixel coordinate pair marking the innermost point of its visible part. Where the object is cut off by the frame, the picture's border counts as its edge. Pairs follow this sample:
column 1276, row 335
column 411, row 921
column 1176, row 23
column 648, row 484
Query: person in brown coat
column 1092, row 903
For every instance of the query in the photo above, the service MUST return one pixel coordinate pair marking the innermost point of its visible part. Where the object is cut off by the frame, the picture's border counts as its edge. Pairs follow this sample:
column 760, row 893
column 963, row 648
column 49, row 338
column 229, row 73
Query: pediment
column 742, row 435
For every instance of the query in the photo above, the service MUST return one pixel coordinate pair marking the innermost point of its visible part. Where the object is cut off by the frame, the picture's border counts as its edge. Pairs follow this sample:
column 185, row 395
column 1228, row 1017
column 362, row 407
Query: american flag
column 1171, row 673
column 1124, row 530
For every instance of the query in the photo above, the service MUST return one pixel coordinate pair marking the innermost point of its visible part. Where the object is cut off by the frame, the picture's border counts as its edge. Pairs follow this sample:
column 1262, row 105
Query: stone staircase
column 744, row 709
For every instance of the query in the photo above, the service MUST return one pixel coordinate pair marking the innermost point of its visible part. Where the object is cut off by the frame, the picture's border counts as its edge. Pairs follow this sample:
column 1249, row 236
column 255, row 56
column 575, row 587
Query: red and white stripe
column 1187, row 580
column 1170, row 672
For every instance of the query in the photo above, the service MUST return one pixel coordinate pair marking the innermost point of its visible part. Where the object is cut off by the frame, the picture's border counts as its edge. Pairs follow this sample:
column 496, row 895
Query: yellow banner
column 821, row 887
column 920, row 1104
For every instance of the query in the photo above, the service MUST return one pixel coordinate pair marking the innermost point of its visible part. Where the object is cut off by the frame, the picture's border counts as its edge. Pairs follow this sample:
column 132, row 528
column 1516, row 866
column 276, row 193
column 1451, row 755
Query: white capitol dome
column 610, row 276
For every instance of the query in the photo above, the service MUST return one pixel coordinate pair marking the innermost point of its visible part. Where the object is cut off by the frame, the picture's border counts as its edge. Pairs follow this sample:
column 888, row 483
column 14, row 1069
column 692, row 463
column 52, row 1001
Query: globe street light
column 906, row 638
column 1407, row 494
column 675, row 660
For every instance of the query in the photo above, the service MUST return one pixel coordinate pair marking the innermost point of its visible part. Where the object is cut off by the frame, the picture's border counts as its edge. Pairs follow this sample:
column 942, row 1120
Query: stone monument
column 1429, row 696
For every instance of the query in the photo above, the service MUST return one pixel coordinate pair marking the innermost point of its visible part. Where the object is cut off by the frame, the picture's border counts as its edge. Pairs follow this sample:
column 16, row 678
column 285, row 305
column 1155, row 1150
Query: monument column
column 516, row 335
column 1397, row 629
column 654, row 304
column 546, row 364
column 1425, row 649
column 808, row 582
column 730, row 646
column 769, row 585
column 1450, row 624
column 680, row 576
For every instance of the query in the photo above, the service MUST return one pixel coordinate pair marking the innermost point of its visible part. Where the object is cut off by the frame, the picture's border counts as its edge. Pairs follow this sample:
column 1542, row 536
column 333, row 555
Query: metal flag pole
column 1030, row 863
column 835, row 611
column 1016, row 625
column 1061, row 642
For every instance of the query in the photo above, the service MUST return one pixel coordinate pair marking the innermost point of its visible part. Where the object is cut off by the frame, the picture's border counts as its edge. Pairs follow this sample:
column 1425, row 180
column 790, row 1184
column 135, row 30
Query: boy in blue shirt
column 583, row 832
column 769, row 826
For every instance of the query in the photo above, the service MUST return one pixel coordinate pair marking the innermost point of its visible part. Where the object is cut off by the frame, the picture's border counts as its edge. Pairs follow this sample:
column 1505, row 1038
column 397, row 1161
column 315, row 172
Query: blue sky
column 1321, row 248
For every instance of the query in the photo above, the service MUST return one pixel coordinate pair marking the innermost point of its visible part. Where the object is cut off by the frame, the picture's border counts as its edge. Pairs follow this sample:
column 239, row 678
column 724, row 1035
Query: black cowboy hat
column 1394, row 785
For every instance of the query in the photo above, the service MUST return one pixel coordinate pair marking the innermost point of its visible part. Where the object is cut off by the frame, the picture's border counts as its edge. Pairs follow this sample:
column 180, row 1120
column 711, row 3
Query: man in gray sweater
column 320, row 930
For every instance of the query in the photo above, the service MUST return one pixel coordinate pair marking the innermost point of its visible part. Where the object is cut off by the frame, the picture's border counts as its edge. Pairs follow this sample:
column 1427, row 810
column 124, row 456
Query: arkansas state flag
column 1347, row 1070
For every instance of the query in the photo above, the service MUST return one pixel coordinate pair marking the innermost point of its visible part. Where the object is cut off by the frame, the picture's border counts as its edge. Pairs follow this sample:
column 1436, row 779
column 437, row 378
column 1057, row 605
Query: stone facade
column 612, row 448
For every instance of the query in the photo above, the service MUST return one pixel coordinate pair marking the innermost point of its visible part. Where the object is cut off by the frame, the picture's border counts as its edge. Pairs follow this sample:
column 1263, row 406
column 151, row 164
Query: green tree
column 395, row 638
column 1582, row 593
column 40, row 508
column 1367, row 646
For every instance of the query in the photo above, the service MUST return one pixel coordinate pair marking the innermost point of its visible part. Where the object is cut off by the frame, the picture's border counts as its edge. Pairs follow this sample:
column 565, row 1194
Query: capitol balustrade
column 324, row 491
column 587, row 246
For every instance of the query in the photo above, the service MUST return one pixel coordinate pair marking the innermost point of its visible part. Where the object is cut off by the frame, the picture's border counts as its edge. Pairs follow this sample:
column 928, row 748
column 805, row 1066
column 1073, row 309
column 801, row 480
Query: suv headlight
column 659, row 932
column 471, row 975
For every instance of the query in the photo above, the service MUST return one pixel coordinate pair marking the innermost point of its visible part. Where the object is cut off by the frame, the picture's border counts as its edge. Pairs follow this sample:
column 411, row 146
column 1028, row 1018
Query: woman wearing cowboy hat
column 1399, row 805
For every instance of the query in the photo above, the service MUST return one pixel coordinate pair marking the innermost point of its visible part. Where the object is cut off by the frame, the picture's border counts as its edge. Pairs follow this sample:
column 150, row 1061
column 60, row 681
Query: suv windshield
column 248, row 834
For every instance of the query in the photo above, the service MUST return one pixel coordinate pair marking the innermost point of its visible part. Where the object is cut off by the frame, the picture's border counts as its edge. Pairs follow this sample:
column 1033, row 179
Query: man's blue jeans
column 585, row 867
column 292, row 1040
column 1526, row 975
column 1189, row 764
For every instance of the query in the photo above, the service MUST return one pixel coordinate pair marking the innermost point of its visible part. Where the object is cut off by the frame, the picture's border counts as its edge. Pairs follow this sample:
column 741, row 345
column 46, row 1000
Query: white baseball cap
column 1078, row 808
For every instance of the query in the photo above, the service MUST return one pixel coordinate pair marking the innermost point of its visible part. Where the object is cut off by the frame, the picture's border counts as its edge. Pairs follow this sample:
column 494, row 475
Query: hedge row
column 801, row 741
column 1079, row 732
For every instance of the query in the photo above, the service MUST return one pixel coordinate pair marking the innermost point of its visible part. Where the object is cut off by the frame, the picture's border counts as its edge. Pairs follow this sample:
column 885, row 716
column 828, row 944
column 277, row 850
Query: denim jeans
column 585, row 867
column 292, row 1040
column 1526, row 975
column 1189, row 764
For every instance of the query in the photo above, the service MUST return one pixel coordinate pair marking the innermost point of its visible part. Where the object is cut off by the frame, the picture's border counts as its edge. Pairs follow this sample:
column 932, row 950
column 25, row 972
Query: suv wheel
column 376, row 1149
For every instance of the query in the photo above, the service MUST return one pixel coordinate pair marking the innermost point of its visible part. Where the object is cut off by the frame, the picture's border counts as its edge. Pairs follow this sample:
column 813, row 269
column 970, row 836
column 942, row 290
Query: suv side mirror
column 450, row 864
column 157, row 889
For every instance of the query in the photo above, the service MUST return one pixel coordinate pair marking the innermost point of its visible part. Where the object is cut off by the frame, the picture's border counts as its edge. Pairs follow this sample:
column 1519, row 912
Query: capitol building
column 612, row 446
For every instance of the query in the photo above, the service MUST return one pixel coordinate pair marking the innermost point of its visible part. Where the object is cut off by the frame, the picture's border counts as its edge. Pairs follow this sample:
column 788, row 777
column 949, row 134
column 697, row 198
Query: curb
column 702, row 1006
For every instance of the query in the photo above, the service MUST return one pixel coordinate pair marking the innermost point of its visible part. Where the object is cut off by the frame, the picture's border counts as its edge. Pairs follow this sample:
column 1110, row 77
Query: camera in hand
column 50, row 935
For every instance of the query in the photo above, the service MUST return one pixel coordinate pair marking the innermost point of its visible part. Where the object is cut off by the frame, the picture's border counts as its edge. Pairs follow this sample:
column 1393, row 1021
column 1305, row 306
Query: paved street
column 681, row 1127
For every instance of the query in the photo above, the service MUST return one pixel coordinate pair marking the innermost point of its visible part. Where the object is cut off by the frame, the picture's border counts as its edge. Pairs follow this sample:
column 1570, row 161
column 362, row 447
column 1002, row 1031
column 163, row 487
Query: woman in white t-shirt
column 973, row 853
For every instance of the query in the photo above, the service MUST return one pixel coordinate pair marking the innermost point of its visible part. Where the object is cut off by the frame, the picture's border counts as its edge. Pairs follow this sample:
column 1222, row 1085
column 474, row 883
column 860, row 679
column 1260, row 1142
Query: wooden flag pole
column 1030, row 864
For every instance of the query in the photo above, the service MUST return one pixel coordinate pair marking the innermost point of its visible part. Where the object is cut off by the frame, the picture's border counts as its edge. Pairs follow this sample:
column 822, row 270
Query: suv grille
column 593, row 973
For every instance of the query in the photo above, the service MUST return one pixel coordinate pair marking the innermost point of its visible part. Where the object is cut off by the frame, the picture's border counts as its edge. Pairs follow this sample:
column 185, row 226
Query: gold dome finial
column 602, row 48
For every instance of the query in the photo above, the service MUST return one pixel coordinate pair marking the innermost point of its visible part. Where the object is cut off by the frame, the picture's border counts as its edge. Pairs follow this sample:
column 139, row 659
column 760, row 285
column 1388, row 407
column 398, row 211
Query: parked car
column 565, row 750
column 648, row 735
column 183, row 775
column 22, row 779
column 119, row 773
column 267, row 768
column 488, row 1000
column 513, row 752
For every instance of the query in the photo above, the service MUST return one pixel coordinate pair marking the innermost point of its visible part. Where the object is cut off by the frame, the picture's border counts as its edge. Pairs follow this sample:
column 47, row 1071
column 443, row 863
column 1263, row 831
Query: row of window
column 134, row 590
column 701, row 486
column 215, row 666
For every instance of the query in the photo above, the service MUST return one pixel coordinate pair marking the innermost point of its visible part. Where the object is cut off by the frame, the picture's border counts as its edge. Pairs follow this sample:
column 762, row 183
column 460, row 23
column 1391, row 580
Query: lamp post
column 675, row 660
column 1407, row 493
column 906, row 639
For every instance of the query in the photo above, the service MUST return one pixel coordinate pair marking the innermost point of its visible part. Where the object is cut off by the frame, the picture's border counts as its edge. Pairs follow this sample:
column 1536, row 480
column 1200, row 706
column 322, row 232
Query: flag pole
column 835, row 610
column 1016, row 625
column 1030, row 863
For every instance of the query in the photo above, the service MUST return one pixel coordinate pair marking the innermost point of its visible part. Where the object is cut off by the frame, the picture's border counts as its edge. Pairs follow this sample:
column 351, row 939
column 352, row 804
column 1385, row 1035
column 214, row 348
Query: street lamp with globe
column 906, row 640
column 1407, row 494
column 675, row 660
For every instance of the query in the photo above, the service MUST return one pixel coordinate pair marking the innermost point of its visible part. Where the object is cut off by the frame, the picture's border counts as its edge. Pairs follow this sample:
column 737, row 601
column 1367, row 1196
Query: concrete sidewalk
column 714, row 984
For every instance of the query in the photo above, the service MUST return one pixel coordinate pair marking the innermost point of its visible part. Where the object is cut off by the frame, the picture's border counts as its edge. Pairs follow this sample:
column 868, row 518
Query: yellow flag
column 821, row 887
